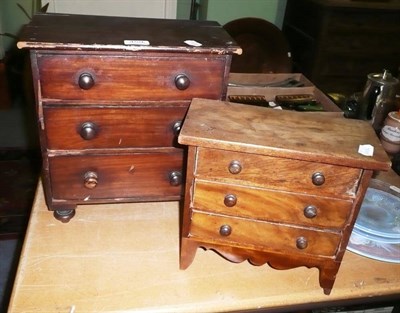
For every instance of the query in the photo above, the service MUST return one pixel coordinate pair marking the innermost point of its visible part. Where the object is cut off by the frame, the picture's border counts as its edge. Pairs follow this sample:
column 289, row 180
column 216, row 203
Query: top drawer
column 137, row 77
column 277, row 173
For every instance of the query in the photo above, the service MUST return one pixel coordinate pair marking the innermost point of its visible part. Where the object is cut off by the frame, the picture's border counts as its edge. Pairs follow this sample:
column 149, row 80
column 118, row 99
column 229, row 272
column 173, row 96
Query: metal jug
column 378, row 98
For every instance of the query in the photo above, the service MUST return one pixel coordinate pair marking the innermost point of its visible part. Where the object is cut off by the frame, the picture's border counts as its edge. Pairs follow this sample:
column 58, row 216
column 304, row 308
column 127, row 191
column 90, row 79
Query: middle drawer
column 271, row 205
column 94, row 128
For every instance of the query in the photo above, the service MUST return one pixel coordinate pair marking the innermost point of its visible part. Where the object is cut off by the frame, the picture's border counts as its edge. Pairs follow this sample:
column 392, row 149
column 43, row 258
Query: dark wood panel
column 143, row 175
column 137, row 77
column 109, row 92
column 112, row 127
column 333, row 40
column 110, row 32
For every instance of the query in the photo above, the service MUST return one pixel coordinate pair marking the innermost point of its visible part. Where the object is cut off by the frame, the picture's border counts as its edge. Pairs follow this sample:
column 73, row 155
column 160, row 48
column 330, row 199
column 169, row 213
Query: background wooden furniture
column 19, row 172
column 336, row 43
column 274, row 186
column 127, row 259
column 265, row 48
column 111, row 95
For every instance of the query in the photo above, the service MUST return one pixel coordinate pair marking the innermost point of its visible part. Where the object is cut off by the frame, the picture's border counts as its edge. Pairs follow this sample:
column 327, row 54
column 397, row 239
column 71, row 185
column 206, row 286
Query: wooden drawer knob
column 90, row 180
column 86, row 81
column 182, row 82
column 88, row 130
column 318, row 179
column 175, row 178
column 176, row 128
column 225, row 230
column 310, row 211
column 235, row 167
column 301, row 243
column 230, row 200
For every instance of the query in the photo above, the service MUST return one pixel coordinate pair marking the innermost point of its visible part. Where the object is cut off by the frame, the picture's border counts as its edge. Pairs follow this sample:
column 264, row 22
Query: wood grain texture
column 271, row 205
column 116, row 127
column 110, row 92
column 126, row 259
column 136, row 175
column 316, row 137
column 130, row 77
column 105, row 33
column 258, row 235
column 259, row 178
column 277, row 173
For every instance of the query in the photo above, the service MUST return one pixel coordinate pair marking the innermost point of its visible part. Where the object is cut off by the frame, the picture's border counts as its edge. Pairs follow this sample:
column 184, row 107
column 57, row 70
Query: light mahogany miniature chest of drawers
column 271, row 186
column 111, row 95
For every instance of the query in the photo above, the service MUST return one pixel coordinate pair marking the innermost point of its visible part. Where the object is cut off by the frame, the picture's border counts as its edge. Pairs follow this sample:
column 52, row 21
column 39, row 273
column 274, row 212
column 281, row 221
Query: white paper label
column 136, row 43
column 193, row 43
column 367, row 150
column 394, row 188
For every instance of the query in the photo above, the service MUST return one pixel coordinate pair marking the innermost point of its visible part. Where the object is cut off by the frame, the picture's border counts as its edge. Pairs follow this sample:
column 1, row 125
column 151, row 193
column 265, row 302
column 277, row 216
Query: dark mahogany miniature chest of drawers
column 111, row 94
column 274, row 186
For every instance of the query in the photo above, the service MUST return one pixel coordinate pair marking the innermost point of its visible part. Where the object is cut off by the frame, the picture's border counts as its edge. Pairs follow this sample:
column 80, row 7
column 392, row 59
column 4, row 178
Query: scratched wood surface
column 124, row 33
column 317, row 137
column 124, row 257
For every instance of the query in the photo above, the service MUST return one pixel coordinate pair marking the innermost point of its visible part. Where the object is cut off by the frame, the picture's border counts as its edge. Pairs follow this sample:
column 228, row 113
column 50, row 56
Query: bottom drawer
column 139, row 175
column 262, row 236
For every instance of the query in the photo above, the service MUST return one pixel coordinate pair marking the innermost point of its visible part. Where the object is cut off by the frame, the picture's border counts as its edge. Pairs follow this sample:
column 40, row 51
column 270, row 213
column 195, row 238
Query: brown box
column 257, row 84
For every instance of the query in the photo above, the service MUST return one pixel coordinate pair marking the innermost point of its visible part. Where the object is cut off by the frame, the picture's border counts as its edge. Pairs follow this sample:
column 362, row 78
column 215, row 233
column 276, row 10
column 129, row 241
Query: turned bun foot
column 64, row 216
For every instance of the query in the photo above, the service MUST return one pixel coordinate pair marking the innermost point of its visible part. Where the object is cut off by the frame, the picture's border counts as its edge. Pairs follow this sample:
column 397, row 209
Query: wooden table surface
column 124, row 257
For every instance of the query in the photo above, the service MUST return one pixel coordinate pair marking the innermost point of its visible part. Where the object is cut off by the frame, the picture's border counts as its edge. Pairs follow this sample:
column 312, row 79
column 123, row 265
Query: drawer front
column 337, row 64
column 270, row 205
column 125, row 78
column 364, row 44
column 262, row 235
column 140, row 175
column 91, row 128
column 361, row 22
column 277, row 173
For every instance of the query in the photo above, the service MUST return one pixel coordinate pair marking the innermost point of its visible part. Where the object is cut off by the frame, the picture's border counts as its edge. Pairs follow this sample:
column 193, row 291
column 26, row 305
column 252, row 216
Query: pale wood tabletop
column 125, row 257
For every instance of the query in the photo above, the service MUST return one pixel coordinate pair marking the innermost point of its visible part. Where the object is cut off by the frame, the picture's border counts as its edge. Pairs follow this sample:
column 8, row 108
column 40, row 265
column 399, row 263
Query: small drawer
column 348, row 45
column 125, row 78
column 93, row 128
column 362, row 21
column 338, row 63
column 262, row 236
column 270, row 205
column 277, row 173
column 138, row 175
